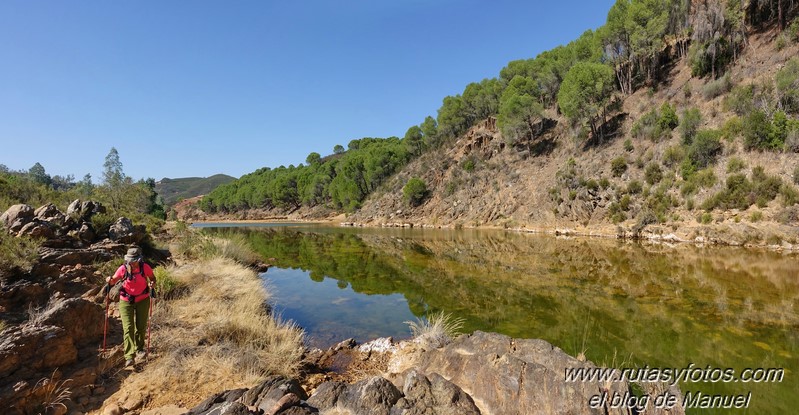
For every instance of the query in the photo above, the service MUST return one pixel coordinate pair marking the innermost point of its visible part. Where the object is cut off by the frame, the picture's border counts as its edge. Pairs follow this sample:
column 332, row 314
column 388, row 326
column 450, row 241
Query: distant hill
column 173, row 190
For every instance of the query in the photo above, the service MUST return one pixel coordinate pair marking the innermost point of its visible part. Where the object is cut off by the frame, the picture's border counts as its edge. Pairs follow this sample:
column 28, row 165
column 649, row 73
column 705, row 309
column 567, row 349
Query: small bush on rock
column 415, row 191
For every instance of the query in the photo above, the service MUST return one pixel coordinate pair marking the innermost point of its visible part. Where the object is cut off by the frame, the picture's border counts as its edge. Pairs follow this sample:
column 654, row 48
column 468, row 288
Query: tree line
column 122, row 195
column 579, row 80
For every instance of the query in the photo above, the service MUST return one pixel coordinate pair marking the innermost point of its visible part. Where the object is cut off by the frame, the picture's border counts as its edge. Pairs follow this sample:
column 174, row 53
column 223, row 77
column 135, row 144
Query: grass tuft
column 54, row 393
column 437, row 330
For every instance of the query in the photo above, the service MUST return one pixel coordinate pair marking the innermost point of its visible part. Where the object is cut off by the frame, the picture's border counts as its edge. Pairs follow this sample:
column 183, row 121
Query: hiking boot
column 129, row 362
column 141, row 354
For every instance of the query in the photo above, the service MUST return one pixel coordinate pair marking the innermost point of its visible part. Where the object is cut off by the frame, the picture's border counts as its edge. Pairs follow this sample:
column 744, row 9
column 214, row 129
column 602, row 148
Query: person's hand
column 106, row 289
column 152, row 292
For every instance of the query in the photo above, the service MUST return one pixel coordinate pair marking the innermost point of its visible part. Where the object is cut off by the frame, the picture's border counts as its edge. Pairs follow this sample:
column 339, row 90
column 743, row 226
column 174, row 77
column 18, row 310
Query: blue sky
column 195, row 88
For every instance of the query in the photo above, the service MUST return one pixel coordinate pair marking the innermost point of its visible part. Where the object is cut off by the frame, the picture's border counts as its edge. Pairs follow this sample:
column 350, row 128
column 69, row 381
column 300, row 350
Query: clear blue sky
column 195, row 88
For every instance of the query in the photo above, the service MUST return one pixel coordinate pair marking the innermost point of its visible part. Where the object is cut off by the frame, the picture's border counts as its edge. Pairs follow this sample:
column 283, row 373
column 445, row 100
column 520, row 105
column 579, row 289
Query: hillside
column 564, row 183
column 673, row 118
column 173, row 190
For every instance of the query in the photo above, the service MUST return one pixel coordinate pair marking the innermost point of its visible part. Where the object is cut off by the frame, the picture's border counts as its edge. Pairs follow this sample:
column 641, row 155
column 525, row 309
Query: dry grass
column 435, row 331
column 53, row 394
column 217, row 334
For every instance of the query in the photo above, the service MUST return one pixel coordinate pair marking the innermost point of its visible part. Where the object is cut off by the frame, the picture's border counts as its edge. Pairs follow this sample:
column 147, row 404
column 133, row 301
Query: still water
column 623, row 304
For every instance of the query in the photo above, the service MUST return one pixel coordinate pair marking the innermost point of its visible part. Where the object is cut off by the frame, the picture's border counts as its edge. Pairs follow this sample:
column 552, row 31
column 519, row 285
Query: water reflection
column 620, row 303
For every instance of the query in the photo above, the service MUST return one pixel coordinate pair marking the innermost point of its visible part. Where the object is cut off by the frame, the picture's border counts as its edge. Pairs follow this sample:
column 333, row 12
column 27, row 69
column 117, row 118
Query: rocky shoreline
column 479, row 373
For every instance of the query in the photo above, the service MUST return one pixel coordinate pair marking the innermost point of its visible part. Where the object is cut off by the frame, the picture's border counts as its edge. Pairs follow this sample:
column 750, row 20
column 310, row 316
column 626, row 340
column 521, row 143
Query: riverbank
column 763, row 235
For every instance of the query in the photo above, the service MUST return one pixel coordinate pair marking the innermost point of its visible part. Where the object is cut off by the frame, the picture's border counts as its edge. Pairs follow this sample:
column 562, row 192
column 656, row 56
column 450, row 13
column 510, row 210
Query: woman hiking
column 134, row 301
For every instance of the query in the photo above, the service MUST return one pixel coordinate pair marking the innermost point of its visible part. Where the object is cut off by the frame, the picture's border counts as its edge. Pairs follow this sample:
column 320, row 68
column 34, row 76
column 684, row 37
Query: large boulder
column 74, row 256
column 123, row 231
column 34, row 348
column 374, row 396
column 50, row 213
column 84, row 210
column 21, row 213
column 82, row 319
column 85, row 233
column 275, row 395
column 37, row 229
column 512, row 376
column 420, row 395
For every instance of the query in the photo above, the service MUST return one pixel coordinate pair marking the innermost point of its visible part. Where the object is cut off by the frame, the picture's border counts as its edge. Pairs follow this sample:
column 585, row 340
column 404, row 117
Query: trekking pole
column 149, row 319
column 105, row 325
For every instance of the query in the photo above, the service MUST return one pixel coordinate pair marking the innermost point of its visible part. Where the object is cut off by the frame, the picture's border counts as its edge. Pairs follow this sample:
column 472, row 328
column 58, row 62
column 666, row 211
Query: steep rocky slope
column 562, row 181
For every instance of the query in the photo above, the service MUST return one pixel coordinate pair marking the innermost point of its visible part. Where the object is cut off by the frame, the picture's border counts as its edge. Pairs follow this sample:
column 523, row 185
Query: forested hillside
column 174, row 190
column 672, row 112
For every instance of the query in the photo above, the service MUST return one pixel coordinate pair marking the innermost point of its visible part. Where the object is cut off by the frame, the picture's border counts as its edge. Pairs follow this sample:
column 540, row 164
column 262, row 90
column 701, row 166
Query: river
column 622, row 304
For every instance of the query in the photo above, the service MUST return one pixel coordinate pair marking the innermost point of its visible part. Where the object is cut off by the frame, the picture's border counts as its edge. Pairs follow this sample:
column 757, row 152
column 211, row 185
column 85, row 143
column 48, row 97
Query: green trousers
column 134, row 325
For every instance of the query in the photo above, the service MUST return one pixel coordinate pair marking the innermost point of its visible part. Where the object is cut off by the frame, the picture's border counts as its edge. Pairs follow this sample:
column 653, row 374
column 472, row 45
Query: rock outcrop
column 481, row 373
column 54, row 322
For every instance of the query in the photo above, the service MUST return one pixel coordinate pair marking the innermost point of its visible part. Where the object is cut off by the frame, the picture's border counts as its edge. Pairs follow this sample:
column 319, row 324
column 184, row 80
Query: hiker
column 134, row 301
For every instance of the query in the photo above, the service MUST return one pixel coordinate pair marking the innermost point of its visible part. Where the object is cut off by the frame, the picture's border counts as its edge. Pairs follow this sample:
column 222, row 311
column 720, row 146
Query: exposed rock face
column 511, row 376
column 82, row 319
column 123, row 231
column 85, row 209
column 482, row 373
column 30, row 348
column 21, row 213
column 50, row 213
column 37, row 229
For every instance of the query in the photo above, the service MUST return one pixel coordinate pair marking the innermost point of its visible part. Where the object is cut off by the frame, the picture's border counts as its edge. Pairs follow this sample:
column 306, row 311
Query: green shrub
column 468, row 165
column 741, row 100
column 653, row 174
column 717, row 87
column 757, row 216
column 758, row 131
column 689, row 124
column 668, row 117
column 782, row 40
column 101, row 222
column 166, row 286
column 618, row 217
column 618, row 166
column 604, row 183
column 687, row 169
column 648, row 126
column 686, row 90
column 625, row 202
column 634, row 187
column 705, row 147
column 16, row 253
column 732, row 128
column 787, row 86
column 705, row 178
column 793, row 30
column 735, row 165
column 415, row 191
column 673, row 156
column 689, row 187
column 789, row 195
column 628, row 145
column 592, row 184
column 705, row 218
column 765, row 187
